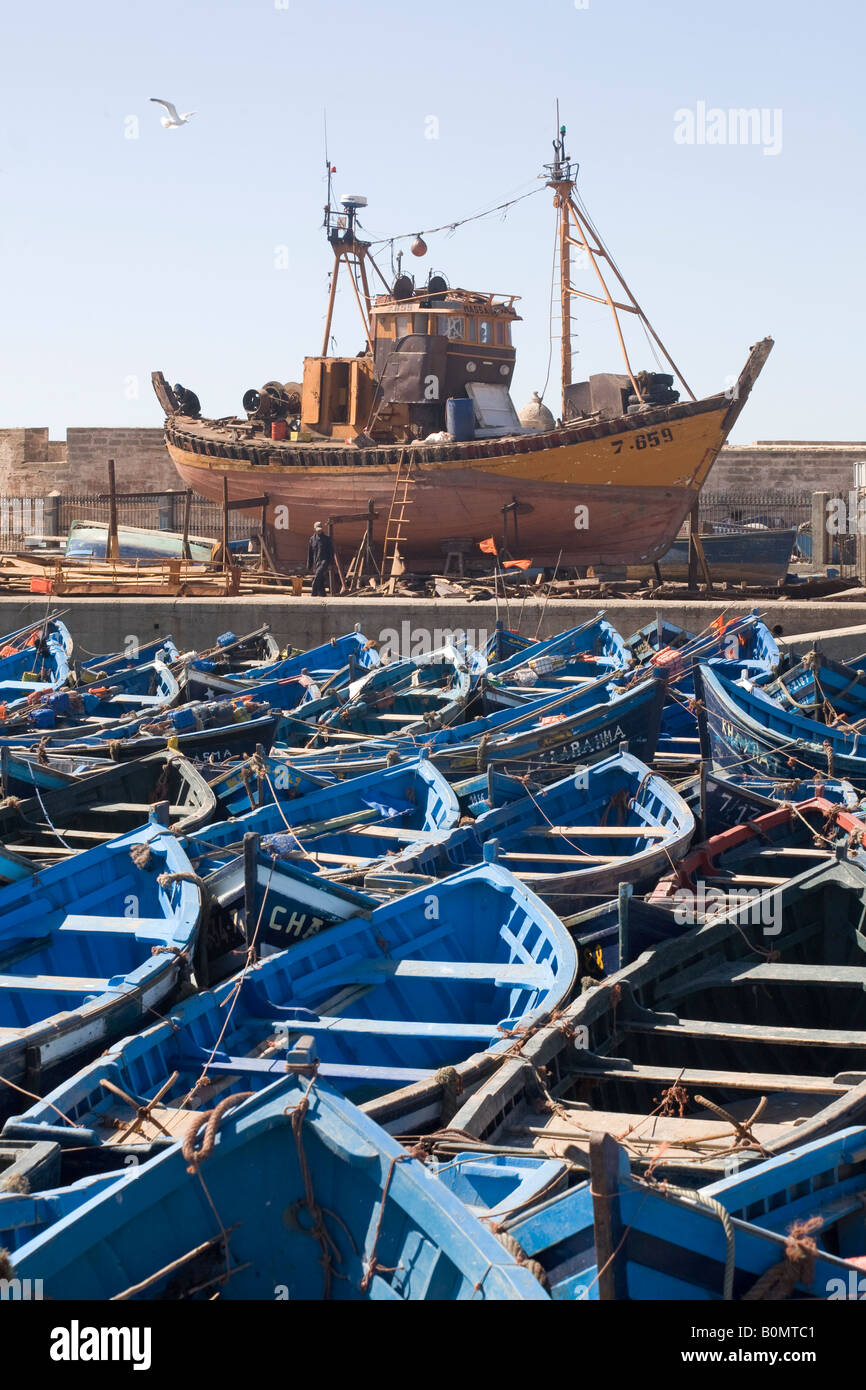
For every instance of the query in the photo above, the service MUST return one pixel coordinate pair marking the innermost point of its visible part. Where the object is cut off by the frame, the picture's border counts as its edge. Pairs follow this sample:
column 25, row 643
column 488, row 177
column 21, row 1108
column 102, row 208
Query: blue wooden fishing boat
column 219, row 730
column 27, row 1211
column 406, row 697
column 98, row 668
column 55, row 823
column 821, row 688
column 586, row 652
column 143, row 689
column 737, row 647
column 792, row 1227
column 496, row 1185
column 504, row 642
column 380, row 1002
column 576, row 727
column 232, row 655
column 486, row 790
column 740, row 646
column 728, row 797
column 306, row 898
column 28, row 1166
column 337, row 662
column 23, row 770
column 757, row 556
column 245, row 784
column 580, row 838
column 364, row 1219
column 744, row 1035
column 745, row 728
column 762, row 854
column 35, row 658
column 89, row 947
column 349, row 824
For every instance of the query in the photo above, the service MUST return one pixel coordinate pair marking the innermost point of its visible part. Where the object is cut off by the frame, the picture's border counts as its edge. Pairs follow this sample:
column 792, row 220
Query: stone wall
column 105, row 624
column 786, row 466
column 32, row 465
column 142, row 462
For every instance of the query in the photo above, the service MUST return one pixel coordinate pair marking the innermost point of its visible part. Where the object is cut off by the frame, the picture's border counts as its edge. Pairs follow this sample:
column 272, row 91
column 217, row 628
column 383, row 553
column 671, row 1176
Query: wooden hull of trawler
column 608, row 492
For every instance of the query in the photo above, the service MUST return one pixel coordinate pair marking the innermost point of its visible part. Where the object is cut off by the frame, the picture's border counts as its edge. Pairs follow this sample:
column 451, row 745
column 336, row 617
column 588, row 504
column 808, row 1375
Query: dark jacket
column 321, row 550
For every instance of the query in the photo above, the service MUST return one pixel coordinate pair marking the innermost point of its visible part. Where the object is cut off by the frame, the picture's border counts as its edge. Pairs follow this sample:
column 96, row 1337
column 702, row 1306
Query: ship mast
column 575, row 229
column 342, row 232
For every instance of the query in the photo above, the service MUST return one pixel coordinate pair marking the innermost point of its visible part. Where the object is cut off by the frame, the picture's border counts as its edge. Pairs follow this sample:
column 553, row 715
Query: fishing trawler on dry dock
column 361, row 444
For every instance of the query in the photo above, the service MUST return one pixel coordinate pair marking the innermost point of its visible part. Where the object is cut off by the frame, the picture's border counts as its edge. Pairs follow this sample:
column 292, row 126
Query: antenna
column 329, row 170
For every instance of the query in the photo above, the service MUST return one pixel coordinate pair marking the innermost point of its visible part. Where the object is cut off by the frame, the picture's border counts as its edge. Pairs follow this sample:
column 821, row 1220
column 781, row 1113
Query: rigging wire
column 460, row 222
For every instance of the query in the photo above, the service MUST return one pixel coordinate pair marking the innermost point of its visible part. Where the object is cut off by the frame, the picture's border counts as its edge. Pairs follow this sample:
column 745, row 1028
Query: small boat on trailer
column 746, row 729
column 403, row 995
column 572, row 841
column 199, row 1222
column 88, row 948
column 721, row 1043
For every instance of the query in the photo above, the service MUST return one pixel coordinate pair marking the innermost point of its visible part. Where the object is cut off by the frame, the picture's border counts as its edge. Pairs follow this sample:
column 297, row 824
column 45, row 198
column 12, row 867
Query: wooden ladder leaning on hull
column 395, row 530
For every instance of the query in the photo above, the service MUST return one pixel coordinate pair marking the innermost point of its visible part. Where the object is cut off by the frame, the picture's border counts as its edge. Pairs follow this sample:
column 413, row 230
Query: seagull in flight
column 173, row 121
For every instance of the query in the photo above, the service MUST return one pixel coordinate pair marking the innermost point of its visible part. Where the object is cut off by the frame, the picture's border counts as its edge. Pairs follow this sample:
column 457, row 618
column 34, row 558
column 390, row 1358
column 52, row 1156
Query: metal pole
column 563, row 194
column 251, row 861
column 112, row 547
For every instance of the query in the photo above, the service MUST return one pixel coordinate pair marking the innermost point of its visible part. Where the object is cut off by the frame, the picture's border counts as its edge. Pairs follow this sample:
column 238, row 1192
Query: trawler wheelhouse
column 428, row 346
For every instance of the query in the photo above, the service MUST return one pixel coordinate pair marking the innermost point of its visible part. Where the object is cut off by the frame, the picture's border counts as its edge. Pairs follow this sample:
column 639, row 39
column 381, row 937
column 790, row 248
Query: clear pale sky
column 123, row 255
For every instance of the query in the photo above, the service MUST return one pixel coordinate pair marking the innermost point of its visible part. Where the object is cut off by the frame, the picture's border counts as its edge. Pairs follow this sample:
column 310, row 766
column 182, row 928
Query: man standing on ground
column 320, row 558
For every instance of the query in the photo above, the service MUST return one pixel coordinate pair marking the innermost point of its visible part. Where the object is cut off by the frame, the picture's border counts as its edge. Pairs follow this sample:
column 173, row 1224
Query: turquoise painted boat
column 349, row 825
column 402, row 996
column 605, row 825
column 362, row 1220
column 88, row 948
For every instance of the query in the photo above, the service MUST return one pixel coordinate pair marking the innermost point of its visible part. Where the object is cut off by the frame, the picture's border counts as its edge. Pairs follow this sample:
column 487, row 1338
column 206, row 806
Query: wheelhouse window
column 484, row 331
column 404, row 325
column 500, row 333
column 455, row 329
column 471, row 330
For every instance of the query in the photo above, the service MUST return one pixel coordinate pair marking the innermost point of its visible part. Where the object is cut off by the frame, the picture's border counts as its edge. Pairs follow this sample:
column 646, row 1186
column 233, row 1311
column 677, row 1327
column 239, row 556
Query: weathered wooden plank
column 726, row 1080
column 751, row 1032
column 742, row 972
column 55, row 984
